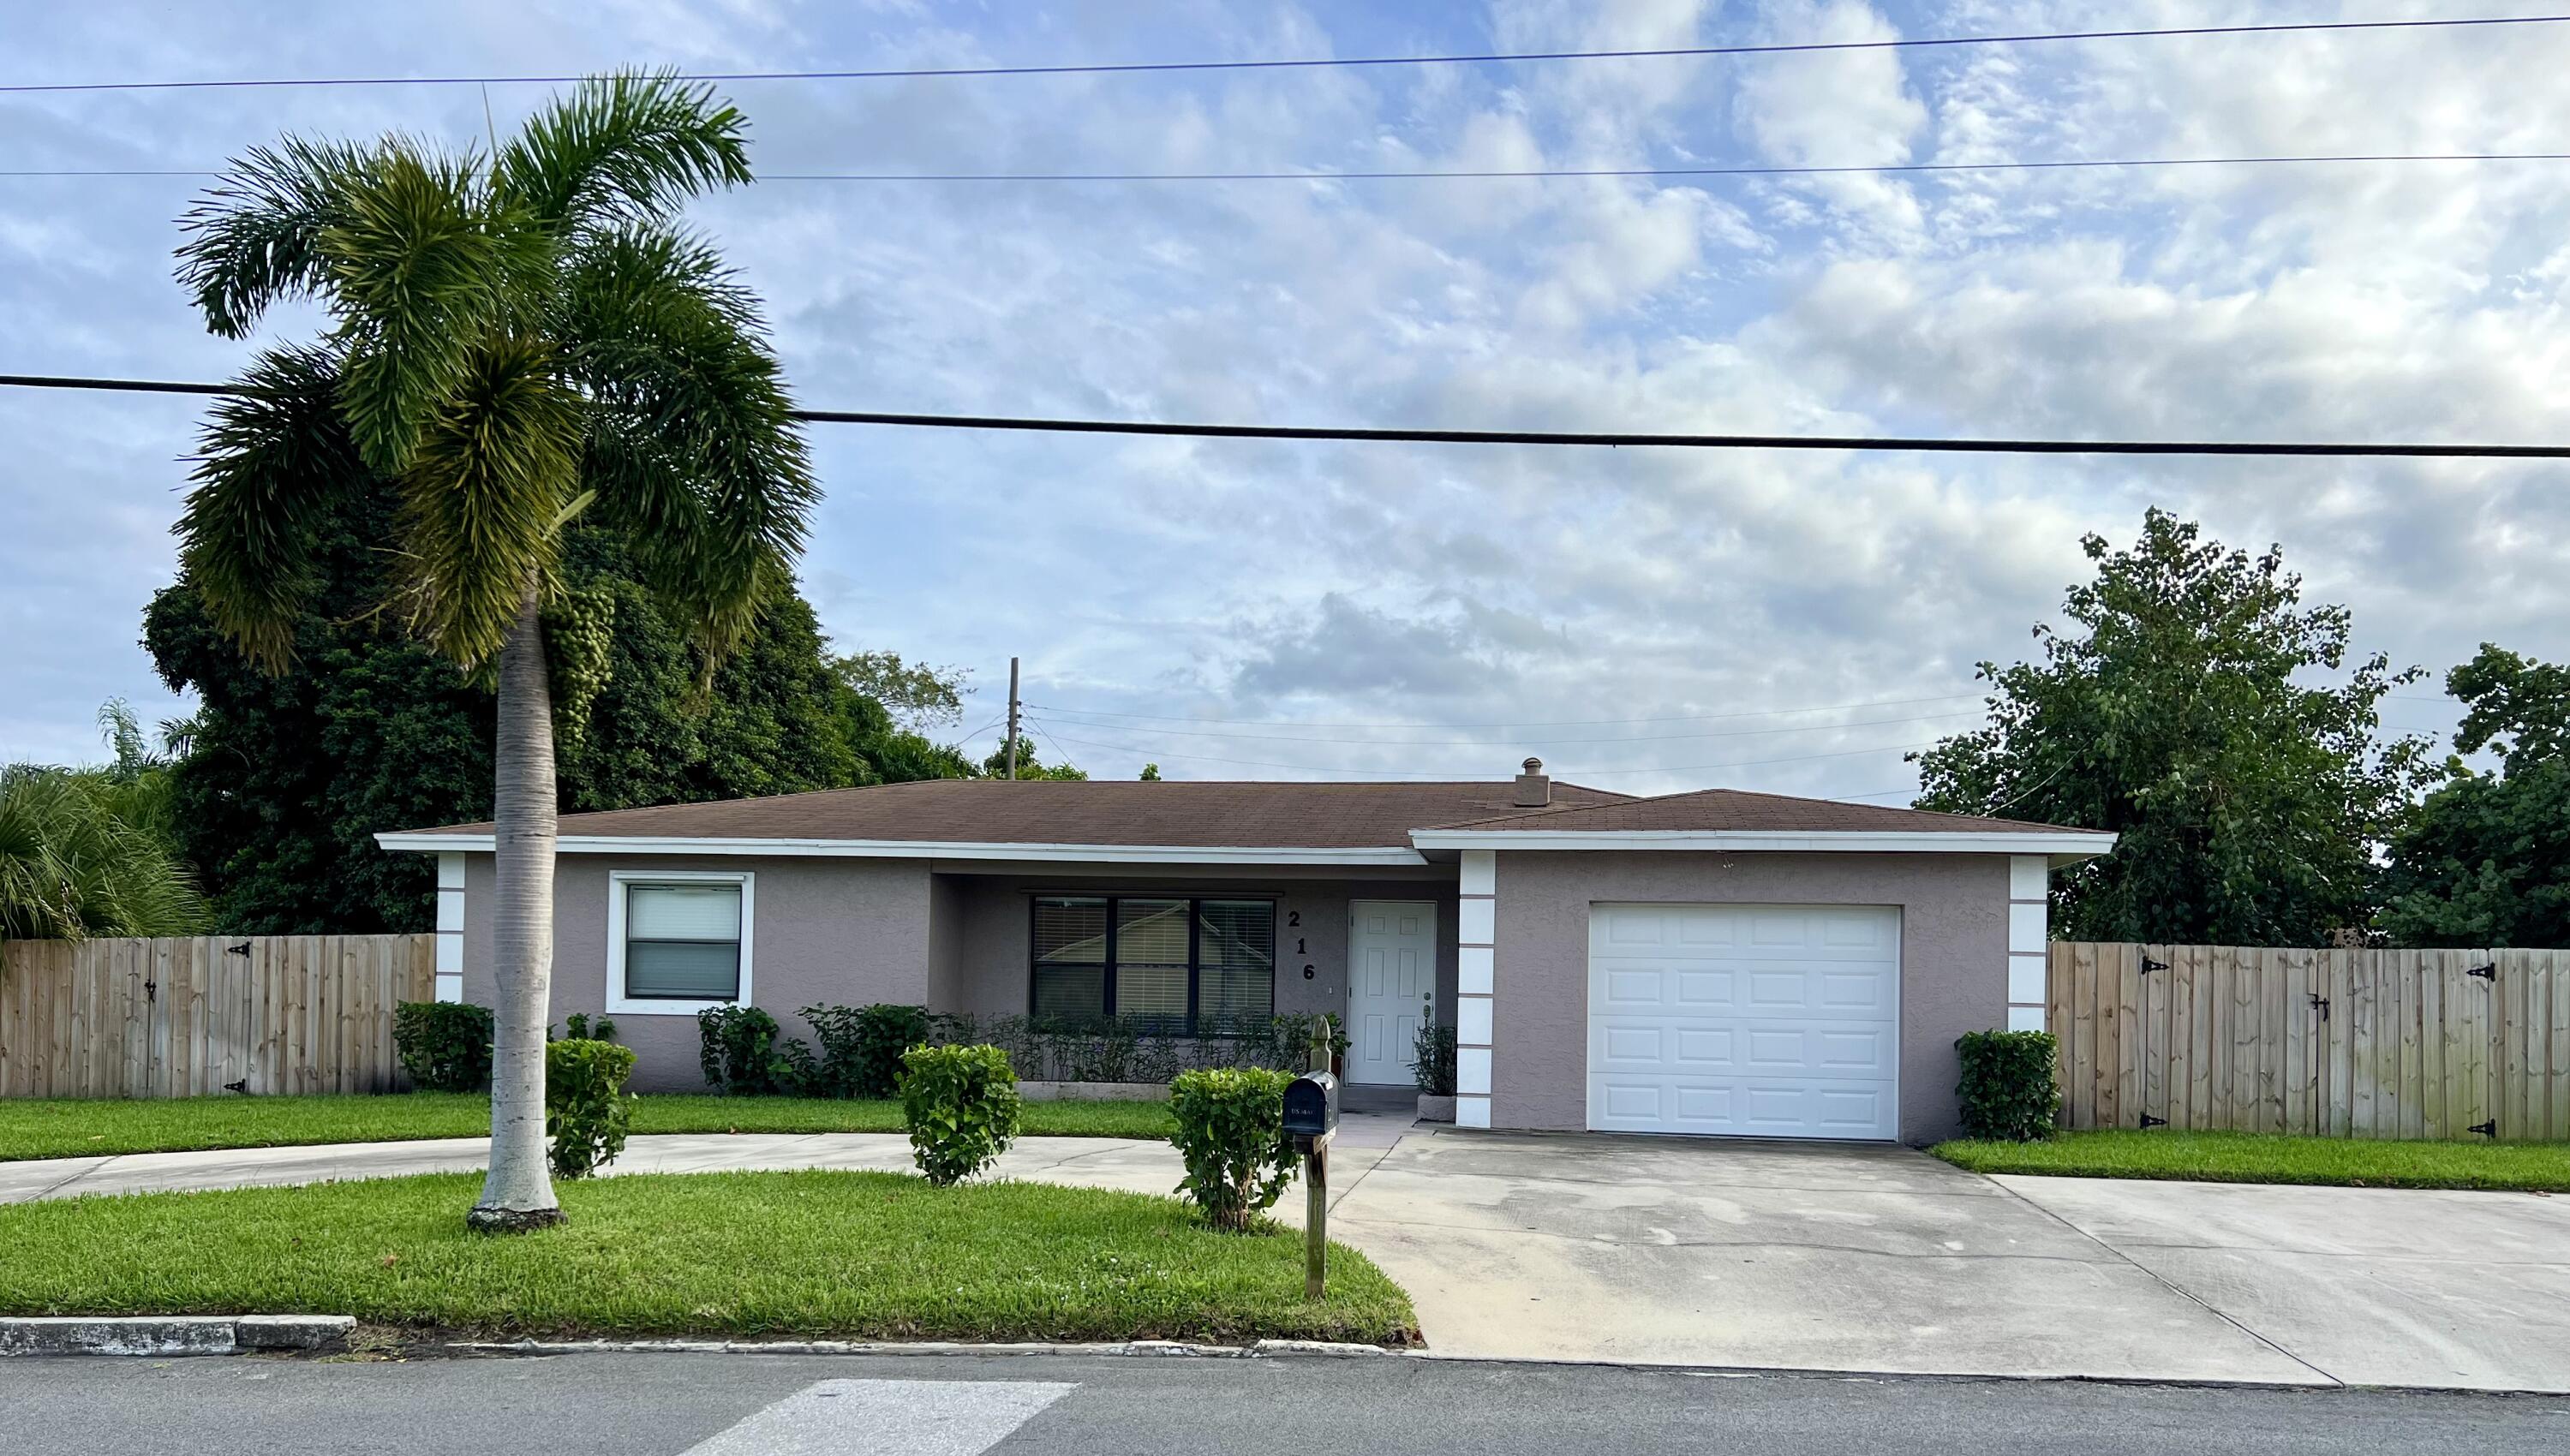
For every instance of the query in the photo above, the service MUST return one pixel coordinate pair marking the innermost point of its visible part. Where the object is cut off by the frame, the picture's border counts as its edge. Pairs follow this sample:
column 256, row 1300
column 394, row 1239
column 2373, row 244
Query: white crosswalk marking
column 886, row 1418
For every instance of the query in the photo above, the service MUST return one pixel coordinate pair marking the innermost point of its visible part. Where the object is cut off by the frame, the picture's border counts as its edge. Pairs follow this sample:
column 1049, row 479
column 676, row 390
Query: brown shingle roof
column 1050, row 811
column 1738, row 809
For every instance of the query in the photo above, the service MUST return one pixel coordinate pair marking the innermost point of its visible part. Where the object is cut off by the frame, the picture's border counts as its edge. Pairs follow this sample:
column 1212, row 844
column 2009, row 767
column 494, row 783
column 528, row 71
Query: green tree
column 916, row 695
column 1029, row 767
column 2485, row 859
column 289, row 776
column 515, row 339
column 2180, row 715
column 89, row 851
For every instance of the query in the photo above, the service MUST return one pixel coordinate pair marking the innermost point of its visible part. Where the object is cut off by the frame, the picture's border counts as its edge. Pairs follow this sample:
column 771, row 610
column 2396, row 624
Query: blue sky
column 1264, row 586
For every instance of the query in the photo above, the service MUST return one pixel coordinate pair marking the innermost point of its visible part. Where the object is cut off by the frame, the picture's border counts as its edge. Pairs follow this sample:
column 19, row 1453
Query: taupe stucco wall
column 846, row 931
column 1953, row 959
column 950, row 936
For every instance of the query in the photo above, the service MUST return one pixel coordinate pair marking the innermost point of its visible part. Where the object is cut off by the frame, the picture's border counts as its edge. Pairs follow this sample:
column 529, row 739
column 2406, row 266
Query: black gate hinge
column 2149, row 1121
column 2487, row 973
column 240, row 949
column 2487, row 1128
column 2149, row 965
column 2320, row 1003
column 240, row 1086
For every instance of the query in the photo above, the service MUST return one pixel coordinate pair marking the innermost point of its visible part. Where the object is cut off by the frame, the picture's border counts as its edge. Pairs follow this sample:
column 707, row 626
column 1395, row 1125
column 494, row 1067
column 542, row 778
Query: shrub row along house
column 1719, row 962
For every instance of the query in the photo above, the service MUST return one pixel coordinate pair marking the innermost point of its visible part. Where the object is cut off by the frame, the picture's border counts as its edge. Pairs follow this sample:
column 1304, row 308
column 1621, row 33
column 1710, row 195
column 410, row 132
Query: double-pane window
column 681, row 941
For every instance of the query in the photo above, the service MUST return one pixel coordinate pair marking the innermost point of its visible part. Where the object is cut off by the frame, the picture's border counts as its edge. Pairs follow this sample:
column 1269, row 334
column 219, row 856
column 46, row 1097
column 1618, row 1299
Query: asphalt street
column 656, row 1404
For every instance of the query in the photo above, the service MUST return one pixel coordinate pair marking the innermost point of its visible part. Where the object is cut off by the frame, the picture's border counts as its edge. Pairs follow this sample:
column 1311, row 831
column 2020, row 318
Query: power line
column 1424, row 774
column 1506, row 175
column 1543, row 742
column 1552, row 723
column 1608, row 439
column 1781, row 48
column 1049, row 738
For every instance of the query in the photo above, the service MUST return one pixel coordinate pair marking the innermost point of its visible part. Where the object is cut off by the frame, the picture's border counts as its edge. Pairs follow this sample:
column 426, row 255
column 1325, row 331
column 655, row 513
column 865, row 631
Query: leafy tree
column 1151, row 772
column 289, row 776
column 1029, row 767
column 2485, row 859
column 2248, row 800
column 515, row 339
column 915, row 694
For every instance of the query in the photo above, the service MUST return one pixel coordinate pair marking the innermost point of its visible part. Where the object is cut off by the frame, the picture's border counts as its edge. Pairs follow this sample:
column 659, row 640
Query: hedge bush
column 578, row 1026
column 586, row 1109
column 2007, row 1089
column 961, row 1104
column 445, row 1046
column 861, row 1046
column 1231, row 1131
column 1433, row 1070
column 737, row 1048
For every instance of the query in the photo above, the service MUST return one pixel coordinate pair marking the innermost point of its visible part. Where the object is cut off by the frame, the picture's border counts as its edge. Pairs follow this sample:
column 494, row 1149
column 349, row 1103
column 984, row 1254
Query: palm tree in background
column 516, row 338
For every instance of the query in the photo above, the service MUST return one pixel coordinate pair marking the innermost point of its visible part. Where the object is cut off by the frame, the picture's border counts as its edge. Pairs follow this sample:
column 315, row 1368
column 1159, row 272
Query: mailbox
column 1312, row 1104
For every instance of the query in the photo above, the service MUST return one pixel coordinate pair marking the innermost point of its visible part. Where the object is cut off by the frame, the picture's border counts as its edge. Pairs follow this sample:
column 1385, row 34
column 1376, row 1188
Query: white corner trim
column 2030, row 877
column 2066, row 845
column 1472, row 1071
column 623, row 1006
column 1471, row 1111
column 450, row 988
column 2026, row 1018
column 1476, row 922
column 923, row 850
column 1477, row 873
column 1472, row 1020
column 2026, row 930
column 1474, row 971
column 449, row 871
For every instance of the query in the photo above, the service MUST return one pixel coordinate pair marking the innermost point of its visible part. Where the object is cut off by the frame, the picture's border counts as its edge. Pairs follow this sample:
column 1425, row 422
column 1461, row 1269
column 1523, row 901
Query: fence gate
column 2340, row 1043
column 195, row 1016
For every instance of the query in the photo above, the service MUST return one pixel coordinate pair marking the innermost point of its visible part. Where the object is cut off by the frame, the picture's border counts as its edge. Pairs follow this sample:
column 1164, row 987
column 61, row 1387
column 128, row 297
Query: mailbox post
column 1312, row 1120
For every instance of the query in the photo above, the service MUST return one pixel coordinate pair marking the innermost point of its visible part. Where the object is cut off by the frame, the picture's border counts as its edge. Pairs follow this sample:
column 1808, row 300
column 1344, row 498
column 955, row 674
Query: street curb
column 172, row 1334
column 1263, row 1350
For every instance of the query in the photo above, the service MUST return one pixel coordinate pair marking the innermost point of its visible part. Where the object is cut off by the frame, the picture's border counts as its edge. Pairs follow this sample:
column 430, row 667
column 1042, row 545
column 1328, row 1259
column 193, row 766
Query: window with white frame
column 678, row 943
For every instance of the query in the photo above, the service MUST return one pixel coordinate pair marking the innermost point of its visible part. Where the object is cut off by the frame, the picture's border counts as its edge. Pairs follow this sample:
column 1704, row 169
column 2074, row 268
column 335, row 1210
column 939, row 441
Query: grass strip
column 2210, row 1157
column 734, row 1255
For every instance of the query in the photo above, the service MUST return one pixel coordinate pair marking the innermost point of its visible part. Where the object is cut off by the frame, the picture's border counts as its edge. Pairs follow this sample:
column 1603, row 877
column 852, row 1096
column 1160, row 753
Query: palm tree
column 73, row 863
column 515, row 338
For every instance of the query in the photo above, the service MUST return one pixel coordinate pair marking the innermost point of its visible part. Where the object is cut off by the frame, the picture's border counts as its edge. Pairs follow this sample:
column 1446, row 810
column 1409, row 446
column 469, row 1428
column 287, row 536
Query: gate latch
column 150, row 991
column 2320, row 1003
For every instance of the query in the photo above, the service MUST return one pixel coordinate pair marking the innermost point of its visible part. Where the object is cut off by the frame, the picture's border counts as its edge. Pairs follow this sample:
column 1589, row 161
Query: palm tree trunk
column 519, row 1193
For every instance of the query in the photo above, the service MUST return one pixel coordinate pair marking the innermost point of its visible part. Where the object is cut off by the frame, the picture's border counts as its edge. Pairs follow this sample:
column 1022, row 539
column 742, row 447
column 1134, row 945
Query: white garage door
column 1768, row 1021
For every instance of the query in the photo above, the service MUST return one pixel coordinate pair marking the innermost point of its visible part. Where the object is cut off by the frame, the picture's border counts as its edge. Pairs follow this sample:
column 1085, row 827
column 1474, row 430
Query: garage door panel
column 1759, row 1021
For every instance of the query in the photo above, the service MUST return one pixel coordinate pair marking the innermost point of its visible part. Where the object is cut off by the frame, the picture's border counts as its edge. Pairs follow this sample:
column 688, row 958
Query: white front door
column 1755, row 1020
column 1392, row 987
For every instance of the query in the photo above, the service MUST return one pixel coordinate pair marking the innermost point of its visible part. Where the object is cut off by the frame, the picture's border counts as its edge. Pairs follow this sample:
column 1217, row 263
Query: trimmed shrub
column 579, row 1027
column 2008, row 1088
column 861, row 1046
column 1231, row 1131
column 961, row 1103
column 586, row 1109
column 736, row 1047
column 1433, row 1070
column 445, row 1046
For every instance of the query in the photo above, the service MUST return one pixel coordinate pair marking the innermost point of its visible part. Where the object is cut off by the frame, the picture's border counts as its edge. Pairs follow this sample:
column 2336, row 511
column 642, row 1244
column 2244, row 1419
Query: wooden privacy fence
column 2341, row 1043
column 196, row 1016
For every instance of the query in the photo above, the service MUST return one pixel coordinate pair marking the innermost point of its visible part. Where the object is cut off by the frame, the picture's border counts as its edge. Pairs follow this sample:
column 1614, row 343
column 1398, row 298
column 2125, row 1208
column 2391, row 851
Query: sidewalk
column 1131, row 1164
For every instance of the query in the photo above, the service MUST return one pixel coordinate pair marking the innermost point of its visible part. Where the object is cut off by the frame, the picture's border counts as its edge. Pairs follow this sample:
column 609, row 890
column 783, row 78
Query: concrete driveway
column 1845, row 1257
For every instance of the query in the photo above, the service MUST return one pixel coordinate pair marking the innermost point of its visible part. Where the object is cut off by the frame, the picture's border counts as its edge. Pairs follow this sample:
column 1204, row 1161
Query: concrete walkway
column 1665, row 1250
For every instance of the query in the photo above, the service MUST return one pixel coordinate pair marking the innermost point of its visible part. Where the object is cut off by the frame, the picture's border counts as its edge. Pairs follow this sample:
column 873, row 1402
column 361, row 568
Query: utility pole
column 1013, row 720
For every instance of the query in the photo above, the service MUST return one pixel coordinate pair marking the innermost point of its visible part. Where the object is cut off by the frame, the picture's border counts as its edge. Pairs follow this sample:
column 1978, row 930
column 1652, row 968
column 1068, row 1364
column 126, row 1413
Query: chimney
column 1534, row 791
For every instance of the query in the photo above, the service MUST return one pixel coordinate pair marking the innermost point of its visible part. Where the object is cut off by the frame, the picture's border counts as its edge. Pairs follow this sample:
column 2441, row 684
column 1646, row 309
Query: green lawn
column 2265, row 1158
column 68, row 1128
column 818, row 1254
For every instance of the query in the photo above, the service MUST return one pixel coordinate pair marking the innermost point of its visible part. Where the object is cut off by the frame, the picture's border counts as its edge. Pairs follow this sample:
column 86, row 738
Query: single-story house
column 1711, row 962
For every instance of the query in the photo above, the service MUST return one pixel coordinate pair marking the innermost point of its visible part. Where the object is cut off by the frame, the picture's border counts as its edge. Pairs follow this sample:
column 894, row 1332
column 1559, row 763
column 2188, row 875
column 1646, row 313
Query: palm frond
column 273, row 456
column 491, row 472
column 629, row 147
column 421, row 274
column 694, row 447
column 256, row 236
column 72, row 868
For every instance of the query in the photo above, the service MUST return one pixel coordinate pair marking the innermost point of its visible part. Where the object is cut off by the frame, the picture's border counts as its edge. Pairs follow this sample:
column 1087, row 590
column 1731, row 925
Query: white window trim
column 618, row 1002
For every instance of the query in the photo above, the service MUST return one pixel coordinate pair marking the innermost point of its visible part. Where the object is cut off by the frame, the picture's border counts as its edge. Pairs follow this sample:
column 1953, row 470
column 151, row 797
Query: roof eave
column 2061, row 847
column 431, row 841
